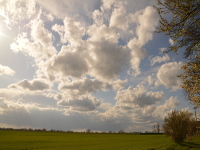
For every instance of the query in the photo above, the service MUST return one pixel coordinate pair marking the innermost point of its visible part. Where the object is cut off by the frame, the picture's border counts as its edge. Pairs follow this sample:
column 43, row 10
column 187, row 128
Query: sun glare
column 1, row 29
column 1, row 34
column 1, row 23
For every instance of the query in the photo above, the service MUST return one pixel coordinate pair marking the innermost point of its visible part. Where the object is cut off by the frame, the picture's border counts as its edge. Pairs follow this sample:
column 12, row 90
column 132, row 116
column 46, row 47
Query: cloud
column 114, row 119
column 69, row 63
column 150, row 80
column 79, row 48
column 118, row 84
column 71, row 31
column 37, row 97
column 10, row 93
column 101, row 33
column 167, row 75
column 107, row 3
column 133, row 115
column 84, row 86
column 132, row 5
column 99, row 56
column 159, row 59
column 34, row 49
column 11, row 105
column 54, row 95
column 35, row 40
column 49, row 16
column 54, row 7
column 35, row 85
column 40, row 34
column 71, row 8
column 171, row 42
column 119, row 19
column 17, row 10
column 162, row 110
column 18, row 106
column 138, row 96
column 30, row 114
column 107, row 59
column 137, row 53
column 5, row 70
column 81, row 104
column 162, row 50
column 104, row 107
column 87, row 86
column 147, row 20
column 98, row 17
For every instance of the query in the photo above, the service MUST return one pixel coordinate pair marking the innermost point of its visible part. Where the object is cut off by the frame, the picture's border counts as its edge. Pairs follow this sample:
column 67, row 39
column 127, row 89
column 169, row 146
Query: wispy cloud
column 159, row 59
column 5, row 70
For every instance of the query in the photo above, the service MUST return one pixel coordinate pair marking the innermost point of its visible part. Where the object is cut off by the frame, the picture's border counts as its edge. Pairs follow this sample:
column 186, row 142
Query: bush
column 179, row 125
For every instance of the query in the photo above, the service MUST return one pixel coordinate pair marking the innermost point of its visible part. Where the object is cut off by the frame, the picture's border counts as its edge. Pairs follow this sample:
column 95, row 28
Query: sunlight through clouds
column 94, row 62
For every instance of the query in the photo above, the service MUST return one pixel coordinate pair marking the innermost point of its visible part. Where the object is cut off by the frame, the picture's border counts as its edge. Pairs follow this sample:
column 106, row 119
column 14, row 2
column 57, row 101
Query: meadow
column 30, row 140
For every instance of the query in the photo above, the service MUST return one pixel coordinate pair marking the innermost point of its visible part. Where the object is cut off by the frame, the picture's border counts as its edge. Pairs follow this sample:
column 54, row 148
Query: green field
column 32, row 140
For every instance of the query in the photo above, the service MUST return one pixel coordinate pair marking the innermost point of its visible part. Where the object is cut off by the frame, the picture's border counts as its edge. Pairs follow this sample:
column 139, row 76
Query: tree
column 179, row 125
column 191, row 80
column 121, row 131
column 181, row 20
column 156, row 128
column 88, row 131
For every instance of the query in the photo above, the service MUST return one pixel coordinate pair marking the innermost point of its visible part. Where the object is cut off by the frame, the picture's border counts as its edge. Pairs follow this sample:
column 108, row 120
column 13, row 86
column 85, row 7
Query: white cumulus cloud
column 119, row 19
column 5, row 70
column 167, row 75
column 147, row 21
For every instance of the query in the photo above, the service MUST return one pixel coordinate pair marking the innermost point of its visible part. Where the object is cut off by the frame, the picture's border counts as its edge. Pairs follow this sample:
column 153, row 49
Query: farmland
column 27, row 140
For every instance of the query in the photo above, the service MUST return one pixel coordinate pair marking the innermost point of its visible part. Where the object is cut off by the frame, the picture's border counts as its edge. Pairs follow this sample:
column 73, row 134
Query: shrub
column 179, row 125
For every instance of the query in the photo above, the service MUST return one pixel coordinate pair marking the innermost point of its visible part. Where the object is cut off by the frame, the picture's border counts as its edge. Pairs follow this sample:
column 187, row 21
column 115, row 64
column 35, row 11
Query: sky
column 92, row 64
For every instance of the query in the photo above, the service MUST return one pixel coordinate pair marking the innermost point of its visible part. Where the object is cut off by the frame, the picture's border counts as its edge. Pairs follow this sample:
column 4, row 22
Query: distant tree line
column 87, row 131
column 53, row 130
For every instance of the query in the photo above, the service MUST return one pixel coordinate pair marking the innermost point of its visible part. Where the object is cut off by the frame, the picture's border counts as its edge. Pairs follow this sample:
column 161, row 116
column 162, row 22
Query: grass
column 32, row 140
